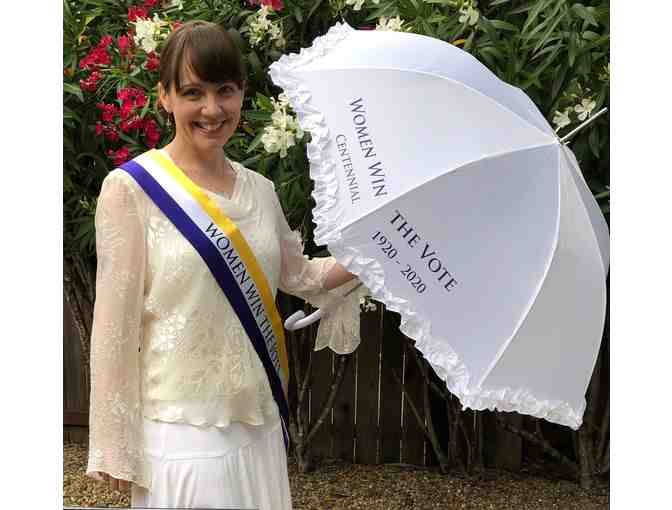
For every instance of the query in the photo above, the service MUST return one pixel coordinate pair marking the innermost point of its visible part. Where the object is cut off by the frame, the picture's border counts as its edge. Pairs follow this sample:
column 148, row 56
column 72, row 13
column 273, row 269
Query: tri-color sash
column 228, row 256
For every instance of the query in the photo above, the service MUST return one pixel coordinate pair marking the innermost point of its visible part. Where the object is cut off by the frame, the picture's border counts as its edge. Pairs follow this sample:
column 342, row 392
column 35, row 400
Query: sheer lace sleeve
column 304, row 277
column 115, row 418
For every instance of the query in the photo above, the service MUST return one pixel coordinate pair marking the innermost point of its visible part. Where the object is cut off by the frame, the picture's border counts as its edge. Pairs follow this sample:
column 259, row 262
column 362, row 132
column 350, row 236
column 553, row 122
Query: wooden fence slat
column 77, row 418
column 344, row 412
column 321, row 445
column 412, row 440
column 392, row 346
column 368, row 377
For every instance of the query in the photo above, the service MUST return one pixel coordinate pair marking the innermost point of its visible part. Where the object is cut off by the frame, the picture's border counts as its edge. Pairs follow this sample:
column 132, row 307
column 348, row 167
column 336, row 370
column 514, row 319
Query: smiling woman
column 188, row 360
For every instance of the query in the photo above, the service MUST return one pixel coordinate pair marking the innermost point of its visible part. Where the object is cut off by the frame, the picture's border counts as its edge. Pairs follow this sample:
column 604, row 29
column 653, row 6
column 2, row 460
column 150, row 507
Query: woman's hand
column 337, row 276
column 115, row 483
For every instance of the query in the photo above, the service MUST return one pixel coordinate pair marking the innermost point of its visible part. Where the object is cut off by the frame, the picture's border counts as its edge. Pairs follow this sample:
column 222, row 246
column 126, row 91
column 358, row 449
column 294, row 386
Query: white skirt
column 242, row 466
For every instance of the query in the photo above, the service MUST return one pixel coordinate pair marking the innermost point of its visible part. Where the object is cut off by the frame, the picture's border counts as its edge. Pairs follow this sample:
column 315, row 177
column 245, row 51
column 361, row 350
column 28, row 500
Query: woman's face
column 206, row 114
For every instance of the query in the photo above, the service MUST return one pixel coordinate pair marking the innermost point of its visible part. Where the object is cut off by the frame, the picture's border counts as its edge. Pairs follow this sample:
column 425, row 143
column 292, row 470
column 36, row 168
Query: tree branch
column 542, row 443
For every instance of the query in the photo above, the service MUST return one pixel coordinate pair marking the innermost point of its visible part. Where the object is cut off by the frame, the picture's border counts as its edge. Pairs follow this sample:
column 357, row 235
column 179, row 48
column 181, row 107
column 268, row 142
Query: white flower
column 390, row 25
column 357, row 4
column 147, row 33
column 585, row 108
column 175, row 3
column 261, row 27
column 561, row 119
column 284, row 131
column 469, row 13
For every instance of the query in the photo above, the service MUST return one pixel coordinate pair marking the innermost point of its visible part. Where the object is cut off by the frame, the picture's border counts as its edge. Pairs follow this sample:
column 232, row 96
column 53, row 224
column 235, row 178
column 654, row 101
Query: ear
column 164, row 99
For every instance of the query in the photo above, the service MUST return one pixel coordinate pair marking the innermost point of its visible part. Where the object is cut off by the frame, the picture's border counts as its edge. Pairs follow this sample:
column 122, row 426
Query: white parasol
column 446, row 191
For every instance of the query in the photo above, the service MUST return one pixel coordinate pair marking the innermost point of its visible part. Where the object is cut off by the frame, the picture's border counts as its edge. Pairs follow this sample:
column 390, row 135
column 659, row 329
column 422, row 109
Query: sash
column 230, row 260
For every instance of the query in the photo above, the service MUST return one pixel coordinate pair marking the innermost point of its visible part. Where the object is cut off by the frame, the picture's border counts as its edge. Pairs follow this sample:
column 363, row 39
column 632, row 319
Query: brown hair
column 208, row 51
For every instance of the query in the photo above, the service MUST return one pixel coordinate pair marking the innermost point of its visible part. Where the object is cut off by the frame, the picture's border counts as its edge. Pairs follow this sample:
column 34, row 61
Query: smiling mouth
column 209, row 127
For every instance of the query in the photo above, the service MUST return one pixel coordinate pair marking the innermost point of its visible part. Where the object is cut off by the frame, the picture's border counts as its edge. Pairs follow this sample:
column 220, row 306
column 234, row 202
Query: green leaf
column 297, row 14
column 504, row 25
column 549, row 31
column 263, row 102
column 257, row 115
column 74, row 90
column 316, row 4
column 255, row 142
column 538, row 7
column 585, row 13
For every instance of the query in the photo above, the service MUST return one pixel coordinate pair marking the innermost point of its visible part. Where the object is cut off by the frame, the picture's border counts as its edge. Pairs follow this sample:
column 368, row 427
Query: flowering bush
column 558, row 52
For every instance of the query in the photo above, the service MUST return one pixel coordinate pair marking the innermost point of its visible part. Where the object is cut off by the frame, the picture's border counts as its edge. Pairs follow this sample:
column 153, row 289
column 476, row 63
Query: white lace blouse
column 166, row 344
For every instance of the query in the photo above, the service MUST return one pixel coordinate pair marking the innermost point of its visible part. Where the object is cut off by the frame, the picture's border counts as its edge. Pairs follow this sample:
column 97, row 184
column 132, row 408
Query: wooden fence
column 371, row 421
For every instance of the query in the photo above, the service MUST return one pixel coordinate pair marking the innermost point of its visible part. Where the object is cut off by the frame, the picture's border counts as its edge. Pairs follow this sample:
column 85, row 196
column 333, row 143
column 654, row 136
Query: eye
column 191, row 92
column 227, row 89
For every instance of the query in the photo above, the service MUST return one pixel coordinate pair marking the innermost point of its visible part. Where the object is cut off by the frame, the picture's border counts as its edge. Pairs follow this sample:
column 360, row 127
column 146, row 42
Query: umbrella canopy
column 447, row 192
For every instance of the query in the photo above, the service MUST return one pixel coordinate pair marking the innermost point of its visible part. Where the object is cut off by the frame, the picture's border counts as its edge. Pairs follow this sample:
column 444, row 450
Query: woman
column 185, row 405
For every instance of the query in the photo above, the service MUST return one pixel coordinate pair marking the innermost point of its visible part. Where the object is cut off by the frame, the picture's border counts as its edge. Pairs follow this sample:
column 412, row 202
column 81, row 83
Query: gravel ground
column 390, row 487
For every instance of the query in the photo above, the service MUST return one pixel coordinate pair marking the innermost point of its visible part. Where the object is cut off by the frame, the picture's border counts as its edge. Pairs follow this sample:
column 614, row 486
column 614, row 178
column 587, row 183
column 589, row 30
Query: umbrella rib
column 452, row 80
column 533, row 298
column 431, row 179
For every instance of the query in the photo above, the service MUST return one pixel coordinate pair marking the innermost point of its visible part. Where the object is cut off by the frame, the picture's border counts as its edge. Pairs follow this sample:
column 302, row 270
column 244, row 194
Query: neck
column 187, row 157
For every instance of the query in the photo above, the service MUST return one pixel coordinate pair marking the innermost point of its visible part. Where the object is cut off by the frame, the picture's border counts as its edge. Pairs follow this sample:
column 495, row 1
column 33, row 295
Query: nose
column 211, row 106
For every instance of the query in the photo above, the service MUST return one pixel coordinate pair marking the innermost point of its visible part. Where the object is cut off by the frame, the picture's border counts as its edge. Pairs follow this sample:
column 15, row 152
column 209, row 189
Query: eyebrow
column 187, row 85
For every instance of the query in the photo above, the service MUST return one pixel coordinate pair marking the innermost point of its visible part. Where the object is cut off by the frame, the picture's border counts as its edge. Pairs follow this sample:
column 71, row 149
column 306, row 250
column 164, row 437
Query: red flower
column 124, row 42
column 111, row 134
column 133, row 96
column 108, row 111
column 98, row 56
column 95, row 58
column 99, row 128
column 90, row 84
column 120, row 156
column 151, row 132
column 135, row 12
column 276, row 5
column 150, row 4
column 134, row 123
column 126, row 110
column 152, row 62
column 105, row 42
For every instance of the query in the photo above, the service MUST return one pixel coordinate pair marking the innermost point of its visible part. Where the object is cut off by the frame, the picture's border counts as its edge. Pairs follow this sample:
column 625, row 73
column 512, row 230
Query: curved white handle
column 299, row 320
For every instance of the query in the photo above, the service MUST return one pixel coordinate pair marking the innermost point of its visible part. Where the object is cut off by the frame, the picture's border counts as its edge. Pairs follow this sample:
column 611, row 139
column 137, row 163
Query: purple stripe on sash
column 220, row 271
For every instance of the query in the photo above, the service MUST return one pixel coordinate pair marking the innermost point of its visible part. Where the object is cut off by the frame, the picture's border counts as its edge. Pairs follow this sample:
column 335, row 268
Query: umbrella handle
column 299, row 320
